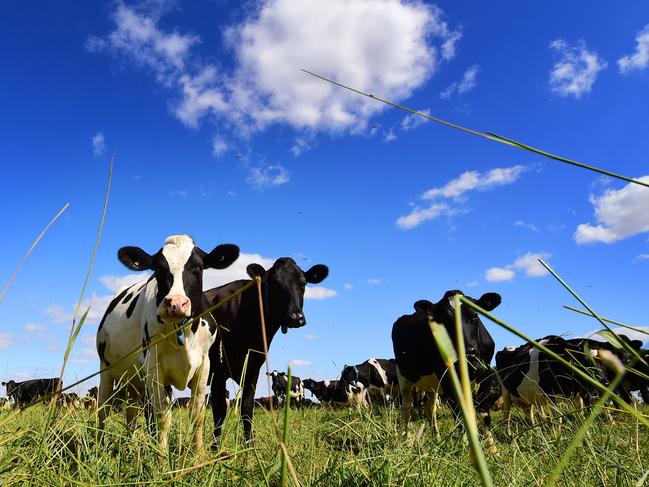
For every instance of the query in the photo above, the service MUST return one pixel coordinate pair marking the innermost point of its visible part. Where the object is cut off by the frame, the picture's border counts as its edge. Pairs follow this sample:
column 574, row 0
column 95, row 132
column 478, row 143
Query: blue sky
column 218, row 134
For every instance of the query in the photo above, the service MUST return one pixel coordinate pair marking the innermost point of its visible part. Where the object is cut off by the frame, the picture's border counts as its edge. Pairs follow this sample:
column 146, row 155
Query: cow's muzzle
column 177, row 305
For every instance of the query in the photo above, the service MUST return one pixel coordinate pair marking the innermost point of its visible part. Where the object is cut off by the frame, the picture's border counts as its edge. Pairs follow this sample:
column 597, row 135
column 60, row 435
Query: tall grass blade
column 31, row 248
column 488, row 135
column 608, row 320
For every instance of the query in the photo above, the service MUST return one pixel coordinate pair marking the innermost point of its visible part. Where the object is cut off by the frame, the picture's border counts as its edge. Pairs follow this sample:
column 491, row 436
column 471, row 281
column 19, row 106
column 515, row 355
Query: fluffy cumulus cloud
column 528, row 263
column 116, row 283
column 389, row 46
column 97, row 307
column 619, row 214
column 576, row 70
column 639, row 60
column 319, row 292
column 467, row 83
column 445, row 199
column 98, row 144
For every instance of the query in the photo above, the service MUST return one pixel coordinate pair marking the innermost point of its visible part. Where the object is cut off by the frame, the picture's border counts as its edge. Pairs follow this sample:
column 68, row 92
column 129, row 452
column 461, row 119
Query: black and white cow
column 23, row 393
column 420, row 365
column 531, row 378
column 337, row 392
column 280, row 381
column 160, row 305
column 378, row 377
column 240, row 331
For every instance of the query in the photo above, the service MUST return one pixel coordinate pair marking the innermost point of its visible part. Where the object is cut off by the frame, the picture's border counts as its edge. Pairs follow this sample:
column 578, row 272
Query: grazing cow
column 93, row 392
column 532, row 378
column 68, row 400
column 161, row 305
column 280, row 381
column 241, row 339
column 89, row 402
column 420, row 364
column 378, row 376
column 181, row 402
column 337, row 393
column 22, row 393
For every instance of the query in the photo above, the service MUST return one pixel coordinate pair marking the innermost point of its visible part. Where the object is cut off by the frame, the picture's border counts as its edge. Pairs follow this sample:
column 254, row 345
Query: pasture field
column 327, row 448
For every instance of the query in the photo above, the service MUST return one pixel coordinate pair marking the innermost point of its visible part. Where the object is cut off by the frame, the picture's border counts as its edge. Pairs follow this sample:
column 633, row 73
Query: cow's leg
column 219, row 404
column 103, row 406
column 405, row 386
column 197, row 407
column 131, row 406
column 161, row 398
column 248, row 404
column 507, row 410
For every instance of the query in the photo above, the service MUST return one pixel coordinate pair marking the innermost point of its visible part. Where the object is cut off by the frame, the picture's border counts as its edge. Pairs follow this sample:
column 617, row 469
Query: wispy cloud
column 412, row 121
column 639, row 60
column 467, row 83
column 576, row 70
column 348, row 285
column 523, row 224
column 6, row 340
column 261, row 177
column 115, row 283
column 375, row 281
column 300, row 363
column 219, row 147
column 528, row 263
column 98, row 144
column 60, row 315
column 311, row 336
column 619, row 214
column 455, row 191
column 640, row 257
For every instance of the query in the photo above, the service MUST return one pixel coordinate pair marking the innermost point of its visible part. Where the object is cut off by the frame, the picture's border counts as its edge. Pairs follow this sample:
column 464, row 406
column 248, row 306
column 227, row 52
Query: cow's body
column 23, row 393
column 378, row 377
column 531, row 378
column 337, row 393
column 142, row 313
column 279, row 386
column 420, row 365
column 240, row 334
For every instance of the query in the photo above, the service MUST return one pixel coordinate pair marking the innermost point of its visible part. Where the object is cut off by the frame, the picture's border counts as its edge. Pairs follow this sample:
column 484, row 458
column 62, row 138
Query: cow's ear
column 256, row 270
column 135, row 258
column 221, row 257
column 316, row 274
column 489, row 301
column 425, row 307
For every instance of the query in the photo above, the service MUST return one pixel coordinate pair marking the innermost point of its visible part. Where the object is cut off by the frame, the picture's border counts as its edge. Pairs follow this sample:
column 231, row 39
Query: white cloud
column 619, row 214
column 79, row 361
column 641, row 257
column 181, row 193
column 98, row 304
column 261, row 177
column 467, row 83
column 390, row 136
column 6, row 340
column 319, row 293
column 498, row 274
column 88, row 340
column 455, row 190
column 98, row 144
column 348, row 285
column 117, row 283
column 375, row 281
column 219, row 147
column 640, row 58
column 34, row 328
column 412, row 120
column 301, row 144
column 389, row 46
column 528, row 263
column 300, row 363
column 89, row 352
column 310, row 336
column 642, row 335
column 576, row 70
column 521, row 223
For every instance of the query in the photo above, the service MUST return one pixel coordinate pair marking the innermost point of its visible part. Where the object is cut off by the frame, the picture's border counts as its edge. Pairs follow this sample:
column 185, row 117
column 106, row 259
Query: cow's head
column 284, row 285
column 316, row 388
column 10, row 386
column 349, row 377
column 178, row 271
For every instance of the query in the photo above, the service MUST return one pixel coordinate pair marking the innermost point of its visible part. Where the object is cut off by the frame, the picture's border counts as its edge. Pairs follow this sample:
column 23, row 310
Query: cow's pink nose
column 177, row 305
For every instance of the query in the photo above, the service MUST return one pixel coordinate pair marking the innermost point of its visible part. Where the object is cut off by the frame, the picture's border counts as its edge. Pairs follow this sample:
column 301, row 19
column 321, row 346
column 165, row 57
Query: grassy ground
column 327, row 448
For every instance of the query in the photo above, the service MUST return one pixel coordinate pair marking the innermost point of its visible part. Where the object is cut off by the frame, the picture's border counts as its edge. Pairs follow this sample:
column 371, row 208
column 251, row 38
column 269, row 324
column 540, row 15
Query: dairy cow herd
column 185, row 341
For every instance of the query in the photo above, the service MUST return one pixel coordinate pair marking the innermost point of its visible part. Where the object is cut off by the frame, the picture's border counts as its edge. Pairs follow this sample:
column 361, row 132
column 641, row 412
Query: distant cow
column 532, row 378
column 5, row 403
column 337, row 393
column 280, row 381
column 142, row 313
column 23, row 393
column 267, row 402
column 68, row 400
column 240, row 331
column 93, row 392
column 181, row 402
column 420, row 365
column 378, row 376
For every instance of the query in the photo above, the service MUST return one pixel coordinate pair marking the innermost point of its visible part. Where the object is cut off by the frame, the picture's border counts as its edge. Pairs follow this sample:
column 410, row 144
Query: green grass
column 327, row 448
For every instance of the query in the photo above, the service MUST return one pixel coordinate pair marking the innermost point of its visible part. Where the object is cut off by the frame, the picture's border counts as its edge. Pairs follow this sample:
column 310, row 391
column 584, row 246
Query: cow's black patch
column 131, row 307
column 146, row 332
column 160, row 320
column 127, row 298
column 101, row 349
column 111, row 307
column 144, row 344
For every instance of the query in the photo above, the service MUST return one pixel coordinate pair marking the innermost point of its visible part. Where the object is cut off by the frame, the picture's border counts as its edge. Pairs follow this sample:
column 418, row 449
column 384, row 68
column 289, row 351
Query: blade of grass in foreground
column 488, row 135
column 607, row 320
column 33, row 246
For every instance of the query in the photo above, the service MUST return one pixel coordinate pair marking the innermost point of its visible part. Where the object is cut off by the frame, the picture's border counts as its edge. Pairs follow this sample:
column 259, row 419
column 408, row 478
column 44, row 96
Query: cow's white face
column 178, row 272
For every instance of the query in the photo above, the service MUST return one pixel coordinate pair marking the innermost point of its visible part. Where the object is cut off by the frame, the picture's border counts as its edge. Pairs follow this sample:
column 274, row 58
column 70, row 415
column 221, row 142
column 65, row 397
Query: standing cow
column 23, row 393
column 280, row 383
column 378, row 377
column 240, row 333
column 337, row 392
column 420, row 364
column 161, row 305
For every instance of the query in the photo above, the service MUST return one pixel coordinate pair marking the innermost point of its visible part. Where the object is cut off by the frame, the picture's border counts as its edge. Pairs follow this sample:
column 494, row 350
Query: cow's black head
column 10, row 386
column 178, row 270
column 283, row 286
column 316, row 388
column 443, row 312
column 349, row 377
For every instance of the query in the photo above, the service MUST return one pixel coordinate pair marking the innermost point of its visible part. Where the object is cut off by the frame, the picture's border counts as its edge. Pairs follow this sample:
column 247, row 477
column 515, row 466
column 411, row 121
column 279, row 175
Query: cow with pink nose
column 164, row 309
